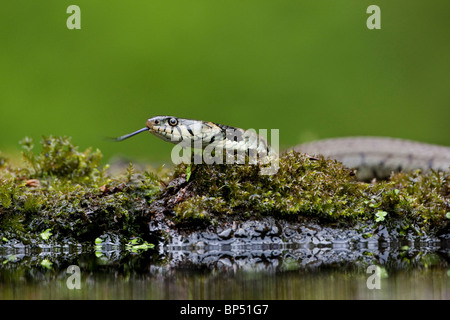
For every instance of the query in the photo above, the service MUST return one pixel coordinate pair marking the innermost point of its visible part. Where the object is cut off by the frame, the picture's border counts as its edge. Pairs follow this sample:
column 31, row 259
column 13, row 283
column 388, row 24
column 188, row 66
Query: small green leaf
column 448, row 215
column 188, row 172
column 98, row 241
column 46, row 264
column 380, row 215
column 45, row 235
column 135, row 245
column 143, row 246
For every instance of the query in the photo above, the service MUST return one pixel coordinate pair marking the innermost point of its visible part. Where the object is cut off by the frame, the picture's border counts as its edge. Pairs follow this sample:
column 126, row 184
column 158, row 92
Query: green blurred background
column 309, row 68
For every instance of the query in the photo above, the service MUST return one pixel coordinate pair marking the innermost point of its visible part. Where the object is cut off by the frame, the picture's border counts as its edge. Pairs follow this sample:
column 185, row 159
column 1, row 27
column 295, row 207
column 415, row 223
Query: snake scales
column 372, row 157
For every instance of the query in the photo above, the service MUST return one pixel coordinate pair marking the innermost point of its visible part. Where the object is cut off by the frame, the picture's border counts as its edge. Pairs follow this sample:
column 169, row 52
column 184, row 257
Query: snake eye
column 173, row 122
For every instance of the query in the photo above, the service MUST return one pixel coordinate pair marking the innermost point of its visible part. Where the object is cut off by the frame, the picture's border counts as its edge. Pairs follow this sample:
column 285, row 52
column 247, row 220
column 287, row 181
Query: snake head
column 160, row 126
column 165, row 127
column 186, row 132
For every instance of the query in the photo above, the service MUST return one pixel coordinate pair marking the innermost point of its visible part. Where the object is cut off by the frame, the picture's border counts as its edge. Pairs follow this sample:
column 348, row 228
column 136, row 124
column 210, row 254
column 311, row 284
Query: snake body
column 377, row 157
column 373, row 157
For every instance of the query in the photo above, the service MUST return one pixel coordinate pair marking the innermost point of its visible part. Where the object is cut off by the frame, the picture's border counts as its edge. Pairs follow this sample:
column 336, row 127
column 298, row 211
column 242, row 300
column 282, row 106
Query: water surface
column 266, row 273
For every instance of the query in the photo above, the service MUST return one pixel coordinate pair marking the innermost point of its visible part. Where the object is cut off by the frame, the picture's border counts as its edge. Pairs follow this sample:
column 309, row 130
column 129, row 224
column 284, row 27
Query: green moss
column 60, row 158
column 318, row 189
column 193, row 211
column 67, row 191
column 6, row 193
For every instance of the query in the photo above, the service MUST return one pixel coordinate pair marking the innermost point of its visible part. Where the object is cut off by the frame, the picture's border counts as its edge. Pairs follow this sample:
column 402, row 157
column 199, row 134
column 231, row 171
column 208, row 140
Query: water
column 261, row 273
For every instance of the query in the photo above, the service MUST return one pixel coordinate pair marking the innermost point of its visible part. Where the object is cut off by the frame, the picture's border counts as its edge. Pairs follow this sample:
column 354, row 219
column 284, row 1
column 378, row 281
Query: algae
column 63, row 195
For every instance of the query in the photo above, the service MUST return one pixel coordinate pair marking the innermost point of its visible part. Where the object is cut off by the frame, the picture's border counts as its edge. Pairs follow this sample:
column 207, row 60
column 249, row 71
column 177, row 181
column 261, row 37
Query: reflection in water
column 260, row 273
